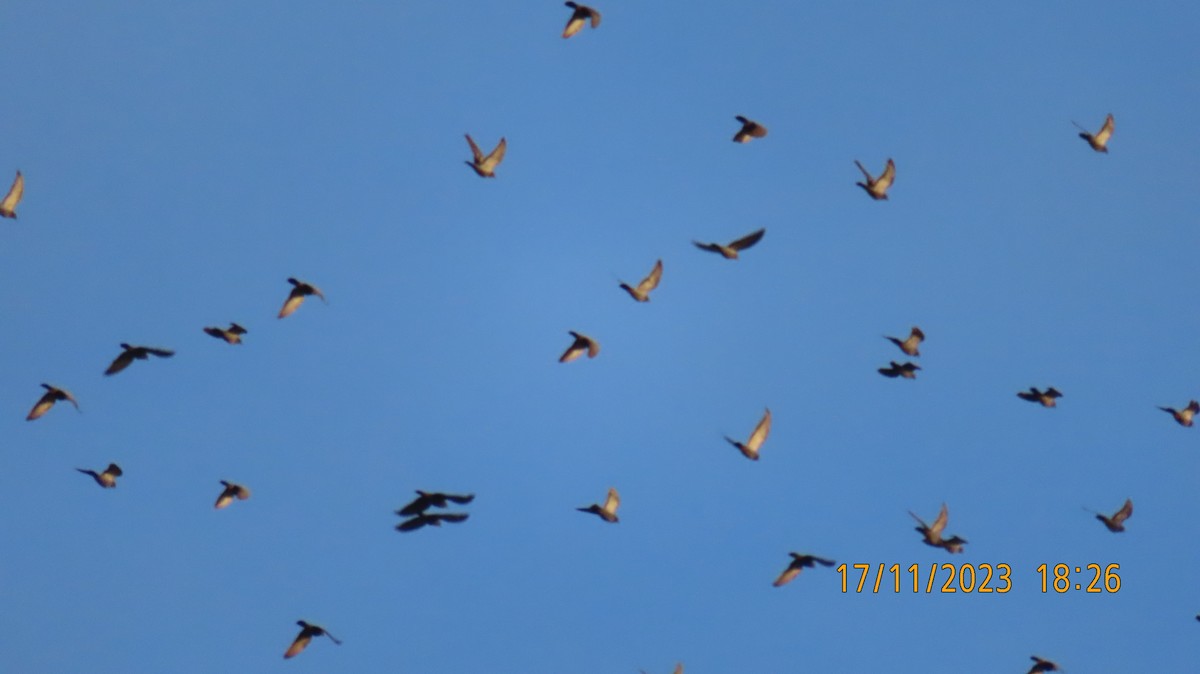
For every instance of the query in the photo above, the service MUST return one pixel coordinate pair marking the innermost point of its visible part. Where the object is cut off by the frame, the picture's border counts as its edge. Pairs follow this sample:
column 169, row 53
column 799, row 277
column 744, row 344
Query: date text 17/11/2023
column 977, row 578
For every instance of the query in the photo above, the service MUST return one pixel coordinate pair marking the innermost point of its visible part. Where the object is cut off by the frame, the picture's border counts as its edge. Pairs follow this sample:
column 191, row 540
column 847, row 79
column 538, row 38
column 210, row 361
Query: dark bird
column 307, row 632
column 435, row 520
column 906, row 370
column 295, row 298
column 749, row 449
column 232, row 334
column 641, row 292
column 878, row 187
column 428, row 499
column 1185, row 415
column 730, row 251
column 486, row 166
column 1042, row 665
column 909, row 345
column 107, row 479
column 580, row 16
column 52, row 395
column 750, row 129
column 1046, row 398
column 581, row 344
column 933, row 533
column 608, row 511
column 1116, row 523
column 799, row 562
column 230, row 492
column 8, row 207
column 132, row 353
column 1098, row 141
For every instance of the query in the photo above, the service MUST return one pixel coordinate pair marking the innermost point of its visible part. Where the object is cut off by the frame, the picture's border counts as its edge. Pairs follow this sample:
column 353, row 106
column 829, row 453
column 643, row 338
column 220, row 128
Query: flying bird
column 909, row 345
column 749, row 449
column 641, row 292
column 230, row 492
column 730, row 250
column 295, row 298
column 750, row 129
column 430, row 519
column 1116, row 523
column 1042, row 665
column 581, row 344
column 8, row 207
column 232, row 334
column 106, row 479
column 428, row 499
column 608, row 511
column 307, row 632
column 906, row 370
column 878, row 187
column 933, row 533
column 132, row 353
column 580, row 16
column 1046, row 398
column 486, row 166
column 1099, row 140
column 52, row 395
column 799, row 562
column 1185, row 415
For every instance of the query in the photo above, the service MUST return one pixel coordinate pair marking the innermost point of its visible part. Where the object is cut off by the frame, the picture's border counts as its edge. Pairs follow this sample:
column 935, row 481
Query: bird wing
column 889, row 176
column 612, row 501
column 788, row 574
column 161, row 353
column 865, row 172
column 711, row 247
column 651, row 282
column 418, row 505
column 1124, row 513
column 497, row 155
column 474, row 149
column 300, row 643
column 452, row 517
column 822, row 561
column 595, row 16
column 42, row 406
column 1105, row 132
column 759, row 436
column 748, row 240
column 466, row 498
column 120, row 362
column 413, row 524
column 293, row 302
column 919, row 520
column 940, row 523
column 9, row 205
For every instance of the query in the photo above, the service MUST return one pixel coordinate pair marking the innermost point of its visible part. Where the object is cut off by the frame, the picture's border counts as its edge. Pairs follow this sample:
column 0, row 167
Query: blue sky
column 182, row 161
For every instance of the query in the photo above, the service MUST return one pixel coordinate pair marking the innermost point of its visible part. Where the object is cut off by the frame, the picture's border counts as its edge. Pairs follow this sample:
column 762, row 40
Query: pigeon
column 878, row 187
column 580, row 16
column 1116, row 523
column 427, row 499
column 909, row 345
column 799, row 562
column 295, row 298
column 230, row 492
column 132, row 353
column 307, row 632
column 933, row 533
column 1098, row 141
column 486, row 166
column 1185, row 415
column 52, row 395
column 8, row 207
column 641, row 292
column 749, row 449
column 232, row 334
column 608, row 511
column 1046, row 398
column 906, row 370
column 730, row 251
column 750, row 129
column 581, row 344
column 1042, row 665
column 106, row 479
column 425, row 519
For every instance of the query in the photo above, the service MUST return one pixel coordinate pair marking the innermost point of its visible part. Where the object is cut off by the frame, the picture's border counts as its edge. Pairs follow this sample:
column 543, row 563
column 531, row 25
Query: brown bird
column 608, row 511
column 1099, row 141
column 580, row 16
column 878, row 187
column 307, row 632
column 427, row 519
column 799, row 562
column 230, row 492
column 906, row 370
column 909, row 344
column 300, row 290
column 486, row 166
column 106, row 479
column 1185, row 415
column 750, row 129
column 8, row 207
column 749, row 449
column 132, row 353
column 1046, row 398
column 1116, row 523
column 433, row 499
column 730, row 251
column 581, row 344
column 52, row 395
column 933, row 533
column 1042, row 665
column 641, row 293
column 232, row 334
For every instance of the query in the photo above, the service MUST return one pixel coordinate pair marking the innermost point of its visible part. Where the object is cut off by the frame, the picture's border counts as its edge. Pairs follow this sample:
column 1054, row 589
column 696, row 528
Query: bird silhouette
column 799, row 562
column 307, row 632
column 295, row 298
column 1185, row 415
column 1042, row 665
column 430, row 519
column 582, row 344
column 232, row 334
column 230, row 492
column 1116, row 523
column 750, row 129
column 749, row 449
column 608, row 511
column 428, row 499
column 909, row 344
column 107, row 478
column 641, row 292
column 878, row 187
column 580, row 16
column 8, row 206
column 52, row 395
column 131, row 353
column 933, row 533
column 906, row 370
column 486, row 166
column 1098, row 140
column 1046, row 398
column 730, row 251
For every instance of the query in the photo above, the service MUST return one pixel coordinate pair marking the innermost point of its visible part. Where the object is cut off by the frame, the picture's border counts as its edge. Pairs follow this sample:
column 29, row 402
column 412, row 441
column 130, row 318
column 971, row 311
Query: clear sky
column 183, row 159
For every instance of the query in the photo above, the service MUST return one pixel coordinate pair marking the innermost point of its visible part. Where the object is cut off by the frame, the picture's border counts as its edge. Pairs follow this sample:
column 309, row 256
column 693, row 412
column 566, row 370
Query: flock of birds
column 419, row 513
